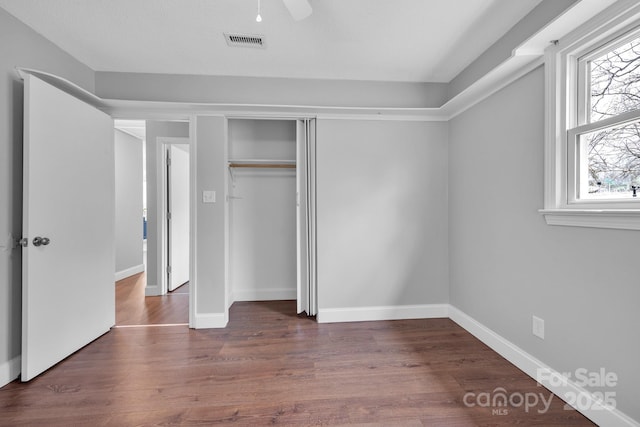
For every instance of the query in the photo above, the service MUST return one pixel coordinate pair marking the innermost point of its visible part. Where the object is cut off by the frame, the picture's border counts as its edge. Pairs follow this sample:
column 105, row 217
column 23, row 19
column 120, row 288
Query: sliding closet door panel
column 301, row 218
column 307, row 293
column 311, row 217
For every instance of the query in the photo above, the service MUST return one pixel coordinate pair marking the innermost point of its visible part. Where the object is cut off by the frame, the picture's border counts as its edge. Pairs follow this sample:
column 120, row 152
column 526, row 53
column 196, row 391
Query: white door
column 301, row 218
column 68, row 290
column 178, row 222
column 306, row 223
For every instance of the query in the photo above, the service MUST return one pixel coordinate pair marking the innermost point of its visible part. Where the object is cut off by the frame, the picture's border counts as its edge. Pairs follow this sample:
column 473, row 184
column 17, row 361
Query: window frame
column 577, row 161
column 567, row 89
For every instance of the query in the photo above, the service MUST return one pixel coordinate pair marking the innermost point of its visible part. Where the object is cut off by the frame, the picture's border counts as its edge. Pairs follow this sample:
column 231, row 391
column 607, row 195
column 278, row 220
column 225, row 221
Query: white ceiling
column 385, row 40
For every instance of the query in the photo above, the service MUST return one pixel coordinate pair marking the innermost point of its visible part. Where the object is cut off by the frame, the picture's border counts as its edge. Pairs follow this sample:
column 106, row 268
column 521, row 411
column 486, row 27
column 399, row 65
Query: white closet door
column 311, row 216
column 179, row 218
column 301, row 218
column 306, row 250
column 68, row 290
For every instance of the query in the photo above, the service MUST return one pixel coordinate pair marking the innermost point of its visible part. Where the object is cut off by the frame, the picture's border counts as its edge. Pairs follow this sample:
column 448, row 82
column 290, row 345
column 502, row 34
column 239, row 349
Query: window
column 607, row 144
column 592, row 164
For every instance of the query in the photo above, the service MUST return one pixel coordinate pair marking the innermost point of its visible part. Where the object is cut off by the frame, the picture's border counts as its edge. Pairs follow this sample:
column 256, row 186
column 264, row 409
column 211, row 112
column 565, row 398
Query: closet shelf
column 254, row 163
column 258, row 163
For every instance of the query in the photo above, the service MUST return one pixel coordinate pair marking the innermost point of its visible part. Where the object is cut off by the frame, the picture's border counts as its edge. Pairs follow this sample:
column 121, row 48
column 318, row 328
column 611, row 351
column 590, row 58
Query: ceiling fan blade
column 299, row 9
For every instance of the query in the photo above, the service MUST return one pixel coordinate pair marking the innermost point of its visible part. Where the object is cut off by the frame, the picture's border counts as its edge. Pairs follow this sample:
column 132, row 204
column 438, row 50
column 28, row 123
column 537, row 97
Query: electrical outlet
column 538, row 327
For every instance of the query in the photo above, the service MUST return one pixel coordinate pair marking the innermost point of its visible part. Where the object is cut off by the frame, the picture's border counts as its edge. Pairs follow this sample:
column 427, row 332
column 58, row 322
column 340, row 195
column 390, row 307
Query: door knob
column 40, row 241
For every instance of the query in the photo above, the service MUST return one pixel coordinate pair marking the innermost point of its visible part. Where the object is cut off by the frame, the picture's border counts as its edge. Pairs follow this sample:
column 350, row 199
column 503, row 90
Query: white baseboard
column 123, row 274
column 10, row 370
column 152, row 290
column 563, row 387
column 210, row 320
column 275, row 294
column 396, row 312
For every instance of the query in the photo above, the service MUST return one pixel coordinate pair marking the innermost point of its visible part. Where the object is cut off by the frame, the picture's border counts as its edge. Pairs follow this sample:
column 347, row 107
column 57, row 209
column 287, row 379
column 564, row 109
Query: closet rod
column 264, row 165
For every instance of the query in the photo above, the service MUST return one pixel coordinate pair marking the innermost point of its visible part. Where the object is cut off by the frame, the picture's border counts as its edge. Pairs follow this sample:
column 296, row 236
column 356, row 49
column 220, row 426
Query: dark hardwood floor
column 133, row 308
column 272, row 367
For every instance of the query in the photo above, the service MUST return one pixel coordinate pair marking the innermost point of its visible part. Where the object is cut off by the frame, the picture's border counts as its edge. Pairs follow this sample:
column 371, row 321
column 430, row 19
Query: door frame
column 309, row 157
column 162, row 143
column 174, row 115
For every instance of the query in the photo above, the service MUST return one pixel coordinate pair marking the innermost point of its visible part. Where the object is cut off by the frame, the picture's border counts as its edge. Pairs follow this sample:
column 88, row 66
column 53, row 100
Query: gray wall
column 154, row 130
column 262, row 235
column 254, row 90
column 381, row 213
column 128, row 160
column 507, row 264
column 20, row 46
column 211, row 222
column 382, row 209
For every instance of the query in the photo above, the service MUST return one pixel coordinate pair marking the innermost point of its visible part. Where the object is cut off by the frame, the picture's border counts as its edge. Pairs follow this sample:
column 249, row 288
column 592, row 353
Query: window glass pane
column 613, row 157
column 615, row 81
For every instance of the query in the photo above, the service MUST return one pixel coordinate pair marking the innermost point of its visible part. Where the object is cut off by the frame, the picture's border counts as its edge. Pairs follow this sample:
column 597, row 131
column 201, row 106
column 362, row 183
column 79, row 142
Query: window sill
column 596, row 218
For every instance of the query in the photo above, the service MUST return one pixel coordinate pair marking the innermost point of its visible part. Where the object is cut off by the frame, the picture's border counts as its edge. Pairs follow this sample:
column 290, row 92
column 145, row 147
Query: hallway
column 134, row 309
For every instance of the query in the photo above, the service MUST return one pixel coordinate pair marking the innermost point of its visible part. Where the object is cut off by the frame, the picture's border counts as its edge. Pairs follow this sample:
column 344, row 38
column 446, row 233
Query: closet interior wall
column 262, row 209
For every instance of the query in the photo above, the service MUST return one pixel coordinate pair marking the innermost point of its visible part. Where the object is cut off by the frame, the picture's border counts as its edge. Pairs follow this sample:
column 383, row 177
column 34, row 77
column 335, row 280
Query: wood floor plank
column 271, row 366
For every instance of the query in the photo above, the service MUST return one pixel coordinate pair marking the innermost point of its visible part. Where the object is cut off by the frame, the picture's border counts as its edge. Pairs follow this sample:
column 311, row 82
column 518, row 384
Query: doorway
column 271, row 198
column 174, row 213
column 141, row 298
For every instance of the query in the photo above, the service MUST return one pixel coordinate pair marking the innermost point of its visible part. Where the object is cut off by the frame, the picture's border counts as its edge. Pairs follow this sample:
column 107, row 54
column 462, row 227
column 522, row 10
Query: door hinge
column 168, row 161
column 168, row 215
column 168, row 269
column 12, row 243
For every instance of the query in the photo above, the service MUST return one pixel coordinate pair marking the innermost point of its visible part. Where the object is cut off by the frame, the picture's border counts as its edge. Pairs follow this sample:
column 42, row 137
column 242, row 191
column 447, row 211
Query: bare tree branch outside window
column 614, row 154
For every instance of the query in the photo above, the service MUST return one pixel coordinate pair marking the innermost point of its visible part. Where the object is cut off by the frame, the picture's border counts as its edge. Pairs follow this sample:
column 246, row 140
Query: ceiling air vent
column 245, row 40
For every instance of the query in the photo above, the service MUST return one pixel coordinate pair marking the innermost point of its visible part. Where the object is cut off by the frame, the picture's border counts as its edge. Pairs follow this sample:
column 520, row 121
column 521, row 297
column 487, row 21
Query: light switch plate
column 208, row 196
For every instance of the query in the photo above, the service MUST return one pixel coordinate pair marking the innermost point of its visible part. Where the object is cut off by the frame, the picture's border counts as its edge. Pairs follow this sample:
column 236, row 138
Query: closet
column 269, row 216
